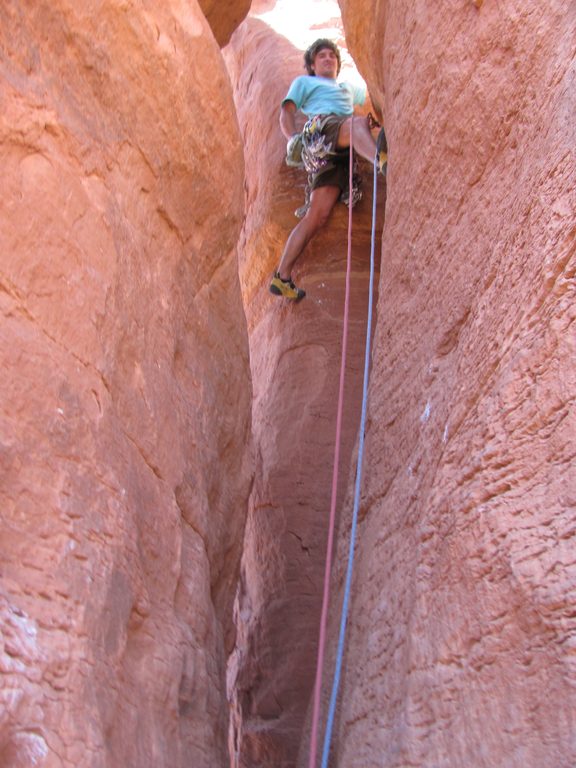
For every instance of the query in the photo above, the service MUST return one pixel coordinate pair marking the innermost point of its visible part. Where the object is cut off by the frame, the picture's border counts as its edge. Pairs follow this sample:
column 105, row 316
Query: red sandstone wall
column 125, row 393
column 462, row 627
column 125, row 456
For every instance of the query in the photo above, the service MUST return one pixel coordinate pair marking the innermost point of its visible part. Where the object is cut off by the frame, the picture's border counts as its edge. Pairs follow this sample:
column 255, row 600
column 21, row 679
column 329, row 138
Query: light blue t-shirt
column 315, row 95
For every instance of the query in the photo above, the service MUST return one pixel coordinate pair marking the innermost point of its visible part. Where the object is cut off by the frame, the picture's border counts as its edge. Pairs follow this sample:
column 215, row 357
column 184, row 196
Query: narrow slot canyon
column 168, row 425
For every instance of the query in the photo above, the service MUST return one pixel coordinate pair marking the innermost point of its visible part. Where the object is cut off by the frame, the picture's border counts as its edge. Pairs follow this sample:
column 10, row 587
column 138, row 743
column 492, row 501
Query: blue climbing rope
column 350, row 568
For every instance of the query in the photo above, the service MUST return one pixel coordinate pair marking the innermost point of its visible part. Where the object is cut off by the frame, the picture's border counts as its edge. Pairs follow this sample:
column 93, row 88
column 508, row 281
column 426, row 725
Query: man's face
column 325, row 63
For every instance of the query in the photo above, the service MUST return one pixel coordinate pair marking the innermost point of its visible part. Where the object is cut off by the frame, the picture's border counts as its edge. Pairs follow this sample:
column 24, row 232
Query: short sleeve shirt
column 315, row 95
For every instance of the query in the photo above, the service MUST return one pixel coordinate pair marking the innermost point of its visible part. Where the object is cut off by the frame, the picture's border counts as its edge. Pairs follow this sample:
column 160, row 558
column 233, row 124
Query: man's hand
column 294, row 151
column 372, row 122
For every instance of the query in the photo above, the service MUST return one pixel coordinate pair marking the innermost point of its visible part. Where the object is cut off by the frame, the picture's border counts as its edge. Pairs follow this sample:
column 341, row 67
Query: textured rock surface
column 125, row 392
column 295, row 361
column 224, row 16
column 125, row 395
column 463, row 627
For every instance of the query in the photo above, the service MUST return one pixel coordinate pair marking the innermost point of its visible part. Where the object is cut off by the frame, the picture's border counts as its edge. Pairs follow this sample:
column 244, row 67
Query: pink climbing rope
column 332, row 518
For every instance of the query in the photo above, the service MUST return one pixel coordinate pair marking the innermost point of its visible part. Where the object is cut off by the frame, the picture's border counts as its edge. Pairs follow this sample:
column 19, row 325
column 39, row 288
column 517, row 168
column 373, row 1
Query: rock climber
column 323, row 149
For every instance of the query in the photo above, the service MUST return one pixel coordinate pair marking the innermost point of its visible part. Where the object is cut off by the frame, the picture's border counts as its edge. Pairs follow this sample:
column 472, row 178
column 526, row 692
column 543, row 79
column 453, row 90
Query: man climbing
column 323, row 148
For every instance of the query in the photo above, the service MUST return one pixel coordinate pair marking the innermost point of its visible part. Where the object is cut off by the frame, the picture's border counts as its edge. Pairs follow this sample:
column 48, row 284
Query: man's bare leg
column 364, row 142
column 322, row 200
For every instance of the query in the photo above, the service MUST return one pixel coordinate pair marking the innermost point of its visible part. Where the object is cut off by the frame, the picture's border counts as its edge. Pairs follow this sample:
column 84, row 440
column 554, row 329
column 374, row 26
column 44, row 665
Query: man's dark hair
column 317, row 46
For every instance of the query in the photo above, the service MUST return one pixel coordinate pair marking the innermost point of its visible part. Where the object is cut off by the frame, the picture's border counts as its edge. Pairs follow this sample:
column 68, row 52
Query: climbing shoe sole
column 286, row 288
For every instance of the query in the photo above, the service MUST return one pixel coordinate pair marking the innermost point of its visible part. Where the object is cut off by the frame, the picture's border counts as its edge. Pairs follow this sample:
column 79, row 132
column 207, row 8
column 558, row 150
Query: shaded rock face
column 462, row 625
column 124, row 447
column 224, row 16
column 461, row 629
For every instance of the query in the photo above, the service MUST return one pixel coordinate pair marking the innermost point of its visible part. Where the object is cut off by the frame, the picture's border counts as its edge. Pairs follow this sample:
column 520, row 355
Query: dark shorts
column 335, row 176
column 326, row 165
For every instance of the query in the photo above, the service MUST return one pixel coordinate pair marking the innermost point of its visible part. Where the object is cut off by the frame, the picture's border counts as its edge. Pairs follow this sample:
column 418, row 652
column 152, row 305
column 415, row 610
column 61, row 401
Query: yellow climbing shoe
column 286, row 288
column 382, row 152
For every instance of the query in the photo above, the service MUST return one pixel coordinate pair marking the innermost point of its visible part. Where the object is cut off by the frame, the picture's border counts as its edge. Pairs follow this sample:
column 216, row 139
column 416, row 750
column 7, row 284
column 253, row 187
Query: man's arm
column 288, row 119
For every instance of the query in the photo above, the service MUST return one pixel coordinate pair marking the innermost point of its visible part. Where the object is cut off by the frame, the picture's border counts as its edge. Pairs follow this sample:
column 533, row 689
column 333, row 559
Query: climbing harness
column 331, row 526
column 315, row 152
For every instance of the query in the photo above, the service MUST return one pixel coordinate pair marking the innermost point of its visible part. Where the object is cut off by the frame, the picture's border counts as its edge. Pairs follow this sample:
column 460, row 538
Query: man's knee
column 318, row 215
column 317, row 219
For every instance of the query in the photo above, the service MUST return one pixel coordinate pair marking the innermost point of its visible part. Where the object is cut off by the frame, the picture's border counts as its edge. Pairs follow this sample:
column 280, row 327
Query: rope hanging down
column 350, row 568
column 332, row 518
column 331, row 526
